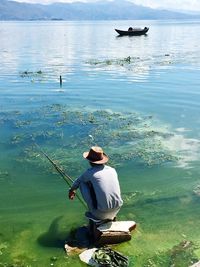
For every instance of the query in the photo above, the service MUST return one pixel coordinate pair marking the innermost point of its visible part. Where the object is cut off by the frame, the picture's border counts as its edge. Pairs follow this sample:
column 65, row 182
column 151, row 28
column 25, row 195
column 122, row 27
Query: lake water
column 138, row 97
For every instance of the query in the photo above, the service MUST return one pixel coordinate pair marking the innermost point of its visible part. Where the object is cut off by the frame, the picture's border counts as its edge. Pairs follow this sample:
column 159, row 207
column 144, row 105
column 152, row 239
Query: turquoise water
column 138, row 97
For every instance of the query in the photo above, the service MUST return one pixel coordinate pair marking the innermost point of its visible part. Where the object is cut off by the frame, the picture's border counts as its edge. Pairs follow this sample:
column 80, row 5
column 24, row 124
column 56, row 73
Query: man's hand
column 71, row 194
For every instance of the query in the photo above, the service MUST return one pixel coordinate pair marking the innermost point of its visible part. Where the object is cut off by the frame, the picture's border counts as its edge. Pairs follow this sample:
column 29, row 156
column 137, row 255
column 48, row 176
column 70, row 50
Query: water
column 139, row 99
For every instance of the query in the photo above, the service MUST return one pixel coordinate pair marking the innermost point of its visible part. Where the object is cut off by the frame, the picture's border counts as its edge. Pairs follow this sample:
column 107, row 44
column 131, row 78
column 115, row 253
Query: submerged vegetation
column 120, row 62
column 64, row 133
column 32, row 75
column 181, row 255
column 126, row 136
column 27, row 73
column 157, row 163
column 135, row 64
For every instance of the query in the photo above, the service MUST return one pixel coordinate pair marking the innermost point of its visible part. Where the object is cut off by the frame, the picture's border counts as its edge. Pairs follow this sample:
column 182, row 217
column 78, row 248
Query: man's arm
column 74, row 187
column 83, row 178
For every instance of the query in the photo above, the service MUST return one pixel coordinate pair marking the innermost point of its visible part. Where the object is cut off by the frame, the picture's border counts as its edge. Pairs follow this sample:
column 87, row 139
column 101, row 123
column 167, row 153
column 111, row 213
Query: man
column 99, row 187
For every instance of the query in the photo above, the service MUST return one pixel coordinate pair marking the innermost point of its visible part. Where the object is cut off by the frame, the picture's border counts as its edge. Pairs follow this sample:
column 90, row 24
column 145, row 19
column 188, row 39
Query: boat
column 133, row 31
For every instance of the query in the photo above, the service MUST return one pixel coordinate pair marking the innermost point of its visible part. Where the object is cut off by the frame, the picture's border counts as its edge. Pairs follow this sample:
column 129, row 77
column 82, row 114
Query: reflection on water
column 138, row 97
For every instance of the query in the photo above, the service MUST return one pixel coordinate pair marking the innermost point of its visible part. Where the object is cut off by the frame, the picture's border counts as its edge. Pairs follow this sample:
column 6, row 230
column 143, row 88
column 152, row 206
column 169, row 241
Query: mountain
column 102, row 10
column 10, row 10
column 107, row 10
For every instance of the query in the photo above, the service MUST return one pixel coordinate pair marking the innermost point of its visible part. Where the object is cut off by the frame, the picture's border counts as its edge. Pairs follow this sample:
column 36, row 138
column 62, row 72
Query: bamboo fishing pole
column 65, row 176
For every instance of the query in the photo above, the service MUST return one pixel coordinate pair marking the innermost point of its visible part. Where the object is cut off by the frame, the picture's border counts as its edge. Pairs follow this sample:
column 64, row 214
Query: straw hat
column 96, row 155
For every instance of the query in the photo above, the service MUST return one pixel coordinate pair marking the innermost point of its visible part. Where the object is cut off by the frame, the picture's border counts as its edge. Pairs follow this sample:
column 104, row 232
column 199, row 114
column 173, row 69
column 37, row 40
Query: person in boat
column 99, row 186
column 130, row 29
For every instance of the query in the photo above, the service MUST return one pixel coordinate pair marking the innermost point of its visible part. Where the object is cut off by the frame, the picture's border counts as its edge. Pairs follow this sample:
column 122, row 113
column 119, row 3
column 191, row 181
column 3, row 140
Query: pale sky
column 190, row 5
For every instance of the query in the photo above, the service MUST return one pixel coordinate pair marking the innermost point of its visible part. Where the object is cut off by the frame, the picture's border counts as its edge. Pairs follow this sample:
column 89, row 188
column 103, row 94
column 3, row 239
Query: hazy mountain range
column 102, row 10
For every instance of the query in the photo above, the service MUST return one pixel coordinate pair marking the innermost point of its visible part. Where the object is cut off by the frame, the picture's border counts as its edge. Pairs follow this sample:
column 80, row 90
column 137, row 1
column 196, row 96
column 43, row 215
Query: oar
column 65, row 176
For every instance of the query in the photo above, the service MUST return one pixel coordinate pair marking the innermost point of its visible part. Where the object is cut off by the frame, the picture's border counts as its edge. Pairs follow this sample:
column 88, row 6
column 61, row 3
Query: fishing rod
column 65, row 176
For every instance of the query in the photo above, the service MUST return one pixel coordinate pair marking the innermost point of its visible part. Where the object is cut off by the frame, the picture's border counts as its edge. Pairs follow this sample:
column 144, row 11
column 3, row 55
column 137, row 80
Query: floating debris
column 30, row 73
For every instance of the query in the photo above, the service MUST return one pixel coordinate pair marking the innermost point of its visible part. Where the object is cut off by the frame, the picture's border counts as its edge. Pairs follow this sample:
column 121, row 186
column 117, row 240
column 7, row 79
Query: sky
column 189, row 5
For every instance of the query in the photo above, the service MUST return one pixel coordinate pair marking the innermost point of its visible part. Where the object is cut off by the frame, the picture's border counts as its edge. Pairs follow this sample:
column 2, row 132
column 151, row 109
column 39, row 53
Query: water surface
column 139, row 99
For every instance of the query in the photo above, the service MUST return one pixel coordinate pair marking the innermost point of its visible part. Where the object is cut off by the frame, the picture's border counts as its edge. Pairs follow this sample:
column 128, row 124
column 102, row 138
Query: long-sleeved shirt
column 105, row 184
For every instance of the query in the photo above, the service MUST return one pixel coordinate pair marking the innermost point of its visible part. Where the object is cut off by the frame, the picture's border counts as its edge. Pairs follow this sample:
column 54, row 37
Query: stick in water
column 60, row 81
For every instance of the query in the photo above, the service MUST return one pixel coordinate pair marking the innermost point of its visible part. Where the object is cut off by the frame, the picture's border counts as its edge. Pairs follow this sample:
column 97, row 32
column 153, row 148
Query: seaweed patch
column 27, row 73
column 182, row 255
column 33, row 76
column 135, row 64
column 66, row 132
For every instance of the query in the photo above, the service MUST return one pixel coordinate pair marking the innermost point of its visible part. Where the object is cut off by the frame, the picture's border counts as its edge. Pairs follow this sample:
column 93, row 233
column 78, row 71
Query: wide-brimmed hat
column 96, row 155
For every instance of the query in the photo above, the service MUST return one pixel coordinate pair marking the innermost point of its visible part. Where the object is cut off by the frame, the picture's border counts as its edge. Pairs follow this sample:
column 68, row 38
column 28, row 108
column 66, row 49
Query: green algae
column 27, row 73
column 127, row 136
column 19, row 123
column 120, row 62
column 136, row 249
column 130, row 133
column 136, row 64
column 21, row 249
column 3, row 247
column 32, row 76
column 64, row 133
column 181, row 255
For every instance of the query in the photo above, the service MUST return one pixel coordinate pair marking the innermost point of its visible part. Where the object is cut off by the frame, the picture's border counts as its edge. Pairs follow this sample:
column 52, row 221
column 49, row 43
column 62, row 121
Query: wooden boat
column 133, row 31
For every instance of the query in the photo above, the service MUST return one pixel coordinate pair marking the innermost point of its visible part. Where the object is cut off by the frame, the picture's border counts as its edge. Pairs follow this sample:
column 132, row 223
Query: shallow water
column 138, row 97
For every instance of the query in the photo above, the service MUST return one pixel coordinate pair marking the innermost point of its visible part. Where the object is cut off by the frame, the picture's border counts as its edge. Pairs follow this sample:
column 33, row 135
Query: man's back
column 106, row 187
column 99, row 186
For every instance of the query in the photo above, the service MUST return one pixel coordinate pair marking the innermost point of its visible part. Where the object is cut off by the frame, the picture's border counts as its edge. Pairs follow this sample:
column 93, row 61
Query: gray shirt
column 104, row 181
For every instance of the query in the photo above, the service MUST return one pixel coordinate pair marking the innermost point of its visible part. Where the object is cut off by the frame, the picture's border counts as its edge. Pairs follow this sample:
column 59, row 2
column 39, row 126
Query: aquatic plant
column 181, row 255
column 27, row 73
column 62, row 130
column 64, row 133
column 130, row 197
column 3, row 246
column 107, row 62
column 139, row 65
column 19, row 123
column 32, row 76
